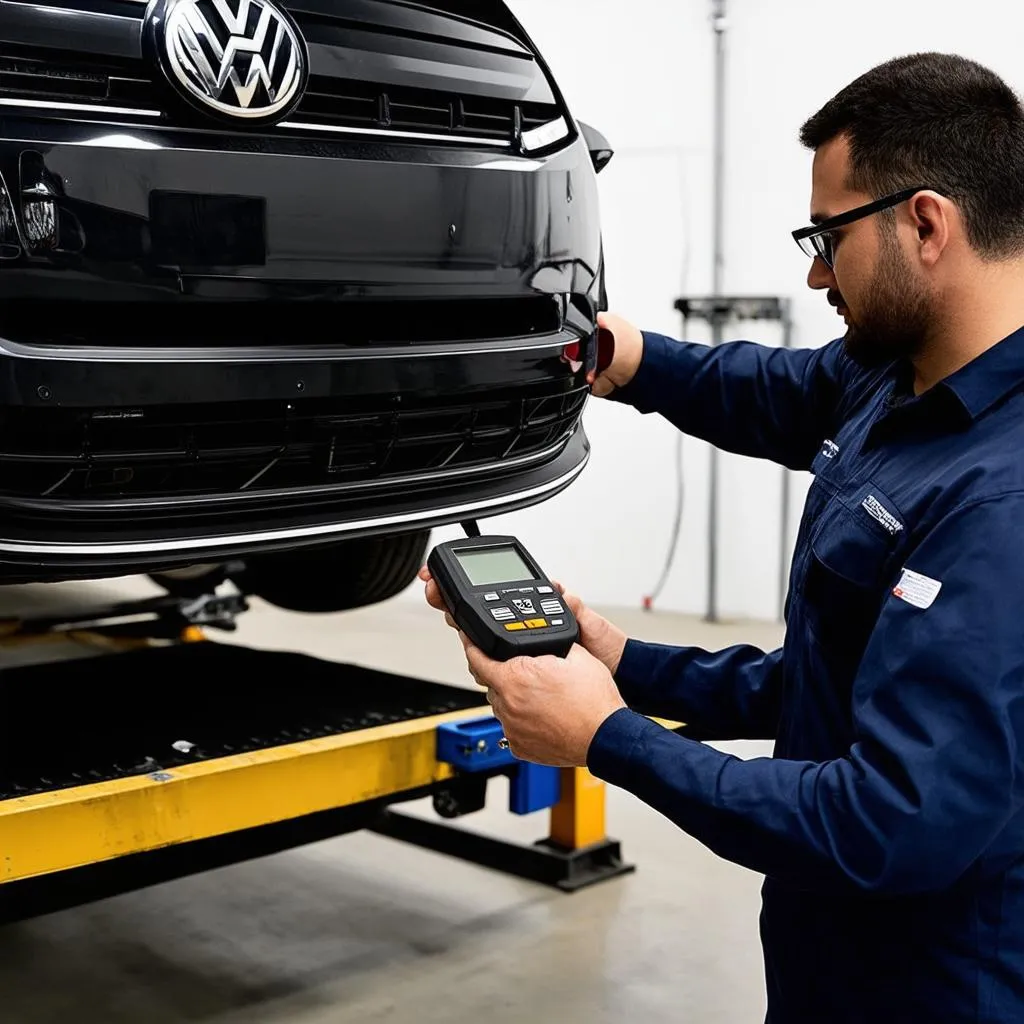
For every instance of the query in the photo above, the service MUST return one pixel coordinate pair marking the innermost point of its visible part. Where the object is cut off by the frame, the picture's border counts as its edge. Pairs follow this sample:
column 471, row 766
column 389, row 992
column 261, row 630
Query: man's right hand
column 600, row 637
column 628, row 351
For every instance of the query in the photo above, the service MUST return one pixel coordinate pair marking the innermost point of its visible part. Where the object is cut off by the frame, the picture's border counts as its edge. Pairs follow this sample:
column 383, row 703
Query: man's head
column 931, row 121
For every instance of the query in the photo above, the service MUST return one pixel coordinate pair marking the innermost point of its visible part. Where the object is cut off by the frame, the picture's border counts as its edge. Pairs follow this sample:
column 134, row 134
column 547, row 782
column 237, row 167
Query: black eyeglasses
column 818, row 239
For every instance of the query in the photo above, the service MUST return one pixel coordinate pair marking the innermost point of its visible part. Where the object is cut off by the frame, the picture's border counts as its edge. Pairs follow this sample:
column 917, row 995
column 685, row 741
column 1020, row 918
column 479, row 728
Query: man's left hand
column 550, row 708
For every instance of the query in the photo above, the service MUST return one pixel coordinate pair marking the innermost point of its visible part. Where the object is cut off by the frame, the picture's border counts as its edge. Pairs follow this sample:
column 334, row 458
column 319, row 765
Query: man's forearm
column 755, row 400
column 729, row 694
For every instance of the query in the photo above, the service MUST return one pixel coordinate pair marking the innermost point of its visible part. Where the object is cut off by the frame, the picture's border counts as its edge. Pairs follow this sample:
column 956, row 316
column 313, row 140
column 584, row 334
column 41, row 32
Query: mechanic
column 889, row 824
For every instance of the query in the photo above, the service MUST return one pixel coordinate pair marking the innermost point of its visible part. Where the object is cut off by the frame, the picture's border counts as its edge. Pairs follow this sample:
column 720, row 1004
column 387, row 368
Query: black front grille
column 34, row 73
column 259, row 447
column 331, row 103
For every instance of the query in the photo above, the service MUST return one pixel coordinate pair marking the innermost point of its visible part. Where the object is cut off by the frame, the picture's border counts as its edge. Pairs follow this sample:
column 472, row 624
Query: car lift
column 163, row 753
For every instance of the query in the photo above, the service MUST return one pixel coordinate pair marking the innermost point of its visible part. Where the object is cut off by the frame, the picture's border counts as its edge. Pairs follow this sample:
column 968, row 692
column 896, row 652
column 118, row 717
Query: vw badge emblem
column 239, row 58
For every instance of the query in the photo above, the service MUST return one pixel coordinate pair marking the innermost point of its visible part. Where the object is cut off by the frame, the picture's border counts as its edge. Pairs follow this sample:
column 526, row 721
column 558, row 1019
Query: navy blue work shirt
column 889, row 823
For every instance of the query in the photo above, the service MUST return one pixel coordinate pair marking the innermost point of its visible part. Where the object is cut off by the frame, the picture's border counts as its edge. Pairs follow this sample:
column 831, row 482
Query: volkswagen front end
column 284, row 284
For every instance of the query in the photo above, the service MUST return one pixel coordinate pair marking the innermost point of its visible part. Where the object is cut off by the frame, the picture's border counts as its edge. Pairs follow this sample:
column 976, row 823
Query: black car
column 283, row 284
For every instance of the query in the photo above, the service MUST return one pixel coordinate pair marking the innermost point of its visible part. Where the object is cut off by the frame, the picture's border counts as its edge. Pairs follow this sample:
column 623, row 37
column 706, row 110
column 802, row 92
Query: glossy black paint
column 47, row 376
column 365, row 218
column 134, row 209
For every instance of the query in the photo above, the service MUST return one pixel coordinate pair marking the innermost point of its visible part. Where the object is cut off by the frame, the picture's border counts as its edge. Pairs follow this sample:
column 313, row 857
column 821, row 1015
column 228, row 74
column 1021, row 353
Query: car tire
column 337, row 578
column 194, row 581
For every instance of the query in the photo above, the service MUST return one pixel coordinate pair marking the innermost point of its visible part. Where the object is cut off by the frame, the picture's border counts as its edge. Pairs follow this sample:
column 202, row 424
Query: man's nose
column 821, row 275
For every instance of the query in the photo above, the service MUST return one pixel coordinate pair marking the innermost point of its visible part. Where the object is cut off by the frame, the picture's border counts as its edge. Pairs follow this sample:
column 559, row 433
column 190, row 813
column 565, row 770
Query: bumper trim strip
column 453, row 513
column 91, row 107
column 112, row 354
column 347, row 130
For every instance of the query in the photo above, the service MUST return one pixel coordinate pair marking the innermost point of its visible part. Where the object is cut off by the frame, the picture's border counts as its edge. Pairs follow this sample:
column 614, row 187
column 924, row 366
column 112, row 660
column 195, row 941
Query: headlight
column 546, row 135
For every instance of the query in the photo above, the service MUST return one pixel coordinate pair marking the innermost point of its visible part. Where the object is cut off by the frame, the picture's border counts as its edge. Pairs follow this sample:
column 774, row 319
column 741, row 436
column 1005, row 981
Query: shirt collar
column 989, row 377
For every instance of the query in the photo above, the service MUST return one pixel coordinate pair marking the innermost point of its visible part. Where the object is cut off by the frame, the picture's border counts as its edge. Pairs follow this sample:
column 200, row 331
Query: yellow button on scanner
column 514, row 627
column 536, row 623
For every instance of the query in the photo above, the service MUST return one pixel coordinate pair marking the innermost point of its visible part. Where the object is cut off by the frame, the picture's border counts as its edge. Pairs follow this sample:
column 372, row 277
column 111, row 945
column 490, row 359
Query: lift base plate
column 545, row 861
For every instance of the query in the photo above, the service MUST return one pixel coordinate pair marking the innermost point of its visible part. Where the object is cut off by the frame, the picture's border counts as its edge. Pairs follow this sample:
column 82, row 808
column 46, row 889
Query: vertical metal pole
column 719, row 24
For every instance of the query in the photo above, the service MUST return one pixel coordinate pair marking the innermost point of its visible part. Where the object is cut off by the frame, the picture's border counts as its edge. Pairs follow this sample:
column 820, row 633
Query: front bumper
column 350, row 445
column 183, row 328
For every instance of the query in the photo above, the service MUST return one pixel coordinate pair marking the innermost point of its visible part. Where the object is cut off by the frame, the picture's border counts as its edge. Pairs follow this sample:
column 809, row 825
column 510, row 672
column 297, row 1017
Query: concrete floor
column 362, row 928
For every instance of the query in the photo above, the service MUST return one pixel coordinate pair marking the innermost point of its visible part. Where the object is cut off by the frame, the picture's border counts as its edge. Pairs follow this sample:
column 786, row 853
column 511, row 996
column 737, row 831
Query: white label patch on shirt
column 918, row 590
column 877, row 510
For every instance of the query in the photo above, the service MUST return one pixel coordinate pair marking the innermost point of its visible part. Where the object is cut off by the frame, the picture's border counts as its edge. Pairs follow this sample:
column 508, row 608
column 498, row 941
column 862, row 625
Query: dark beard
column 894, row 325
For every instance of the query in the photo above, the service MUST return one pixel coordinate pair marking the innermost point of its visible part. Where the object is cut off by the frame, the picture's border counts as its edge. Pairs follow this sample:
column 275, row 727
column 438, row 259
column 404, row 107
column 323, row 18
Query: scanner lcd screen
column 489, row 566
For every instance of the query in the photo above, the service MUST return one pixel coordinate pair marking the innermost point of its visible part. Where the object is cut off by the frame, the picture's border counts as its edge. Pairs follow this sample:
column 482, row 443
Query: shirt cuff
column 634, row 670
column 648, row 383
column 618, row 747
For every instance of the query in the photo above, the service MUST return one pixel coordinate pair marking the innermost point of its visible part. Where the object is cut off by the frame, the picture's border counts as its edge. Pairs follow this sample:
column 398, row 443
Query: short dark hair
column 939, row 120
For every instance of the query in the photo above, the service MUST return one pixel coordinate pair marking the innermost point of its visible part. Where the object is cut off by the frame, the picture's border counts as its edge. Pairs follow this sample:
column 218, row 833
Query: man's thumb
column 579, row 655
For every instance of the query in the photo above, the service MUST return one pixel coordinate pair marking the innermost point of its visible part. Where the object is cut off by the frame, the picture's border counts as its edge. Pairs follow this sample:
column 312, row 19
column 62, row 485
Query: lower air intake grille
column 256, row 447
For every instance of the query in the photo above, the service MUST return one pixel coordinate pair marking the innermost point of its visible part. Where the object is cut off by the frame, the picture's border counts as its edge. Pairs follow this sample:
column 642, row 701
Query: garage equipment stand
column 170, row 754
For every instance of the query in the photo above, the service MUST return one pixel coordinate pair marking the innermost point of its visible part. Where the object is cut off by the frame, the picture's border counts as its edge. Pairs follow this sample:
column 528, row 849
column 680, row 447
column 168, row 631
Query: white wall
column 642, row 73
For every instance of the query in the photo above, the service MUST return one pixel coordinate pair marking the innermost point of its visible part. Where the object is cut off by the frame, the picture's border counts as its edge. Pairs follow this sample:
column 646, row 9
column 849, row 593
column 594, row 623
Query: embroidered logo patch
column 877, row 510
column 830, row 449
column 915, row 589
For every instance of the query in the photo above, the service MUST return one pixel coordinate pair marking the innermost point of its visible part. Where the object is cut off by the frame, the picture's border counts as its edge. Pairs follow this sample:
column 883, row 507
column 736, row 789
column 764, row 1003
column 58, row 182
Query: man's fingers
column 434, row 598
column 468, row 646
column 485, row 670
column 477, row 662
column 424, row 574
column 575, row 603
column 436, row 601
column 476, row 658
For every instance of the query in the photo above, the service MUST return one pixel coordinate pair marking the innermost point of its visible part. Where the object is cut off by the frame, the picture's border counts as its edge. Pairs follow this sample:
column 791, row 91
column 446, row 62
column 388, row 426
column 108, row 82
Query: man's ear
column 933, row 219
